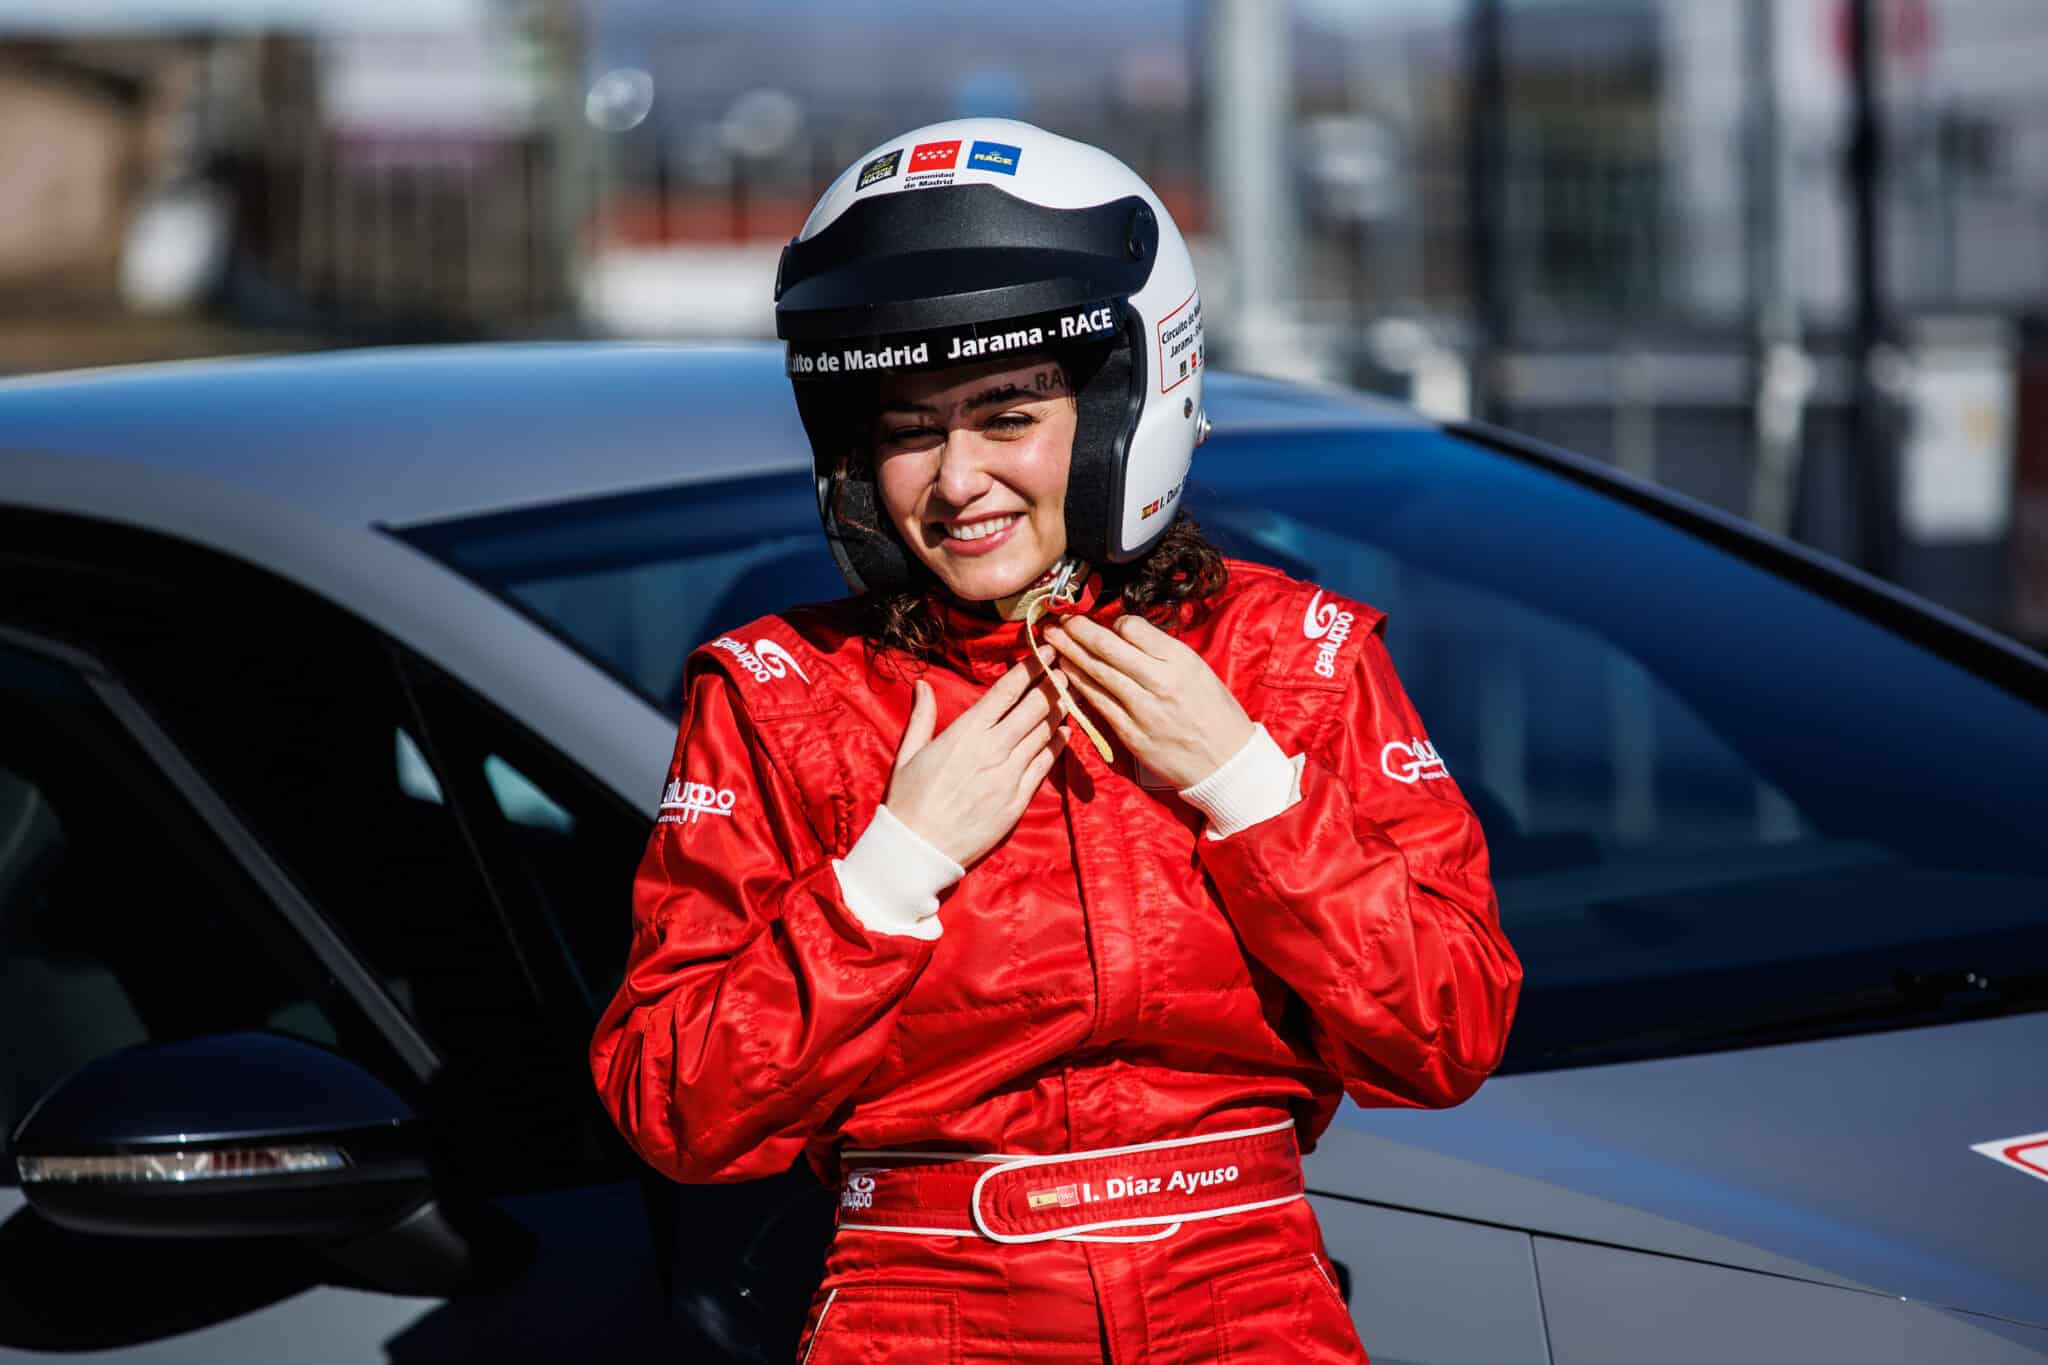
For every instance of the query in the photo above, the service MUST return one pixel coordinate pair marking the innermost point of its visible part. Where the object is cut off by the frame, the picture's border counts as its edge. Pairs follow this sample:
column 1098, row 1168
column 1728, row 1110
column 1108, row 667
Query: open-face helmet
column 968, row 240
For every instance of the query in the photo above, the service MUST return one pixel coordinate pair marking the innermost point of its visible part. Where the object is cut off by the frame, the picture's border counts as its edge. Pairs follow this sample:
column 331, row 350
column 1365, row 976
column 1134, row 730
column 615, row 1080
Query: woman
column 1049, row 893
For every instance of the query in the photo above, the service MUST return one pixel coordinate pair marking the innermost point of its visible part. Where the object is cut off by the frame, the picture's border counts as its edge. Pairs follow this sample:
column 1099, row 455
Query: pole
column 1486, row 197
column 1251, row 148
column 1873, row 476
column 1782, row 372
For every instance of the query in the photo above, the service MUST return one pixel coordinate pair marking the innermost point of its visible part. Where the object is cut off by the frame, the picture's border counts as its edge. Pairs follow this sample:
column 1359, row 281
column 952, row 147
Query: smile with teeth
column 980, row 529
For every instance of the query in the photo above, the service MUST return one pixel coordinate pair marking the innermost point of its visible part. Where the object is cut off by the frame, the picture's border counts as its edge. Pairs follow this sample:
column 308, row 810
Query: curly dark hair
column 1170, row 586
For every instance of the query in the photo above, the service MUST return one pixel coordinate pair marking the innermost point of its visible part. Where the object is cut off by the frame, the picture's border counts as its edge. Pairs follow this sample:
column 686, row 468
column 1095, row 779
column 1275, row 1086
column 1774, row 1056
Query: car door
column 476, row 877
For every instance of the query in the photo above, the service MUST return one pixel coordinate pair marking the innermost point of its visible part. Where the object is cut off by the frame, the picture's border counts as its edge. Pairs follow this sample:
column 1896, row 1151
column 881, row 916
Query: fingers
column 1086, row 650
column 917, row 731
column 1101, row 701
column 1022, row 718
column 1112, row 646
column 1004, row 693
column 1039, row 764
column 1148, row 637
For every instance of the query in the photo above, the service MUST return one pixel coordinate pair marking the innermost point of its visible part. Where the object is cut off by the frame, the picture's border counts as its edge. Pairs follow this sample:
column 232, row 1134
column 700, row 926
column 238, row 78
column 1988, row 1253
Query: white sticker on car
column 2028, row 1154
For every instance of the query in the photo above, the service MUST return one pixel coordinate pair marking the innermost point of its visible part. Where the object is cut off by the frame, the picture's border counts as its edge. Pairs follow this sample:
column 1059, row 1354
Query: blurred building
column 265, row 174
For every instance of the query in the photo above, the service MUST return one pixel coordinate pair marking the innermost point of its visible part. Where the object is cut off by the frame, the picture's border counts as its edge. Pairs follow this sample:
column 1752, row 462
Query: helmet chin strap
column 1059, row 584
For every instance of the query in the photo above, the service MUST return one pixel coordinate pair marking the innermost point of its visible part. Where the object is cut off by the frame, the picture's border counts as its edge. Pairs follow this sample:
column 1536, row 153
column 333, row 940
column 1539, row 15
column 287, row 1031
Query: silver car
column 336, row 693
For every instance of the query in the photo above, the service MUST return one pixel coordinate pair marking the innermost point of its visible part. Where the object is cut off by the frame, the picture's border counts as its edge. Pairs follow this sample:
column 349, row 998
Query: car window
column 302, row 717
column 122, row 920
column 1721, row 807
column 565, row 849
column 636, row 582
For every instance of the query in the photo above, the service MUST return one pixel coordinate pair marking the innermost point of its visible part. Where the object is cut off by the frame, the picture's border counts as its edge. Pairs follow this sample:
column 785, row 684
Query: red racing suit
column 1106, row 975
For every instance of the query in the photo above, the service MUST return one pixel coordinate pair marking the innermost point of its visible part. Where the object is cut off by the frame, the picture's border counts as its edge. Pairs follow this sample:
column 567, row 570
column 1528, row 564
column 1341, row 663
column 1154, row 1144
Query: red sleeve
column 1370, row 897
column 753, row 1001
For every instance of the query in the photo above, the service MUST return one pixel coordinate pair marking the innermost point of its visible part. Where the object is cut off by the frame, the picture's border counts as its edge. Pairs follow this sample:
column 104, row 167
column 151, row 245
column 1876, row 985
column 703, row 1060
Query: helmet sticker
column 999, row 157
column 931, row 165
column 1180, row 344
column 951, row 345
column 880, row 169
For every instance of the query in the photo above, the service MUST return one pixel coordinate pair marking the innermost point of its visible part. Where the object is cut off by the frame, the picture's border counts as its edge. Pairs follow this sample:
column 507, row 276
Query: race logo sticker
column 684, row 801
column 1180, row 344
column 767, row 660
column 999, row 157
column 2027, row 1154
column 880, row 169
column 858, row 1191
column 1329, row 625
column 1412, row 761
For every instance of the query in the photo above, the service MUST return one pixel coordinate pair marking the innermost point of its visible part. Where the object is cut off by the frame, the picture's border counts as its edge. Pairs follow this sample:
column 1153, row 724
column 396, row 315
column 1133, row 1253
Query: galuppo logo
column 1412, row 761
column 859, row 1190
column 767, row 660
column 684, row 801
column 1331, row 624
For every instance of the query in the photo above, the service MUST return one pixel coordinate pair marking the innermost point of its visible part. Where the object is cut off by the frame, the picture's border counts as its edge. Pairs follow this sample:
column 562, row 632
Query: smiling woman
column 1056, row 1018
column 972, row 467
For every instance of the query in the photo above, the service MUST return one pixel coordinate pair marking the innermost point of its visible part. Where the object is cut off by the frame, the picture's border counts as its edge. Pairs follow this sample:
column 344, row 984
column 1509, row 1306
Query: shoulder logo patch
column 1330, row 626
column 1412, row 761
column 766, row 661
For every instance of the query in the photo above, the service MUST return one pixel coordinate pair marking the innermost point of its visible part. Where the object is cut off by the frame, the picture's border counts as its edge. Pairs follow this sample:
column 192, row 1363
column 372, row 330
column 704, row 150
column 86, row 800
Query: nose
column 962, row 475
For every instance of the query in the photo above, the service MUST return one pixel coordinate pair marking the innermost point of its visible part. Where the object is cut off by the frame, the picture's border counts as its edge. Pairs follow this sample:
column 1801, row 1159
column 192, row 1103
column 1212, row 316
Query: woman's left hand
column 1163, row 700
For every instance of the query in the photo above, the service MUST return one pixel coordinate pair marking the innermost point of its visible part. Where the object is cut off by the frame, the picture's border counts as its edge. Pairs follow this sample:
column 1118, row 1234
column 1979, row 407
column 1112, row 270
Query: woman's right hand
column 965, row 789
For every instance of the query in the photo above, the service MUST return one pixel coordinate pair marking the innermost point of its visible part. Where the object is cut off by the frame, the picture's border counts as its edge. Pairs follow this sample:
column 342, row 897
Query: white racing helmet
column 966, row 240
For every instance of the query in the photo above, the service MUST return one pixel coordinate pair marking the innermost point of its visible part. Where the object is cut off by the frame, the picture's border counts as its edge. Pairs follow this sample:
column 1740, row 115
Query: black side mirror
column 246, row 1135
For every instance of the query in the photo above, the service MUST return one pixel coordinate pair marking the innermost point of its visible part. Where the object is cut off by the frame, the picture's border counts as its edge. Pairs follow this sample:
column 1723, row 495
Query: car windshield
column 1722, row 809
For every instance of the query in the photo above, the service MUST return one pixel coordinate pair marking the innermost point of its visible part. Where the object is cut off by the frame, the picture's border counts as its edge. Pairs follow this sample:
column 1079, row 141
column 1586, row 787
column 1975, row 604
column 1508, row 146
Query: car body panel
column 1408, row 1310
column 1814, row 1160
column 1606, row 1306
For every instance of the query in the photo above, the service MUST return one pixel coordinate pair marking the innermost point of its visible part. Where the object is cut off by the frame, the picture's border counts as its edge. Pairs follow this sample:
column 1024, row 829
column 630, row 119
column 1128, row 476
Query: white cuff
column 892, row 878
column 1256, row 784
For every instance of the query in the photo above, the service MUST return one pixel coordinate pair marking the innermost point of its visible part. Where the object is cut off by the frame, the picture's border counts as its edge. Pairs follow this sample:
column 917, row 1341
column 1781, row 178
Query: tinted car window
column 122, row 920
column 562, row 850
column 636, row 582
column 1723, row 808
column 305, row 720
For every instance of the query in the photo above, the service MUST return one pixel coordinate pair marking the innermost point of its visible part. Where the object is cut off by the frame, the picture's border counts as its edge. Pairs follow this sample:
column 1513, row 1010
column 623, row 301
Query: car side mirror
column 246, row 1135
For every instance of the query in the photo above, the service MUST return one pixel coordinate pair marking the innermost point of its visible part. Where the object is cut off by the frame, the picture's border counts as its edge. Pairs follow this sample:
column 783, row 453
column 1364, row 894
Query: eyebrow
column 1000, row 393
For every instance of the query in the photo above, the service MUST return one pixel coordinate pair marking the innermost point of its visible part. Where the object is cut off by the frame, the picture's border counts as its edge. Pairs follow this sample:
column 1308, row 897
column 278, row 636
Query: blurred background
column 1787, row 256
